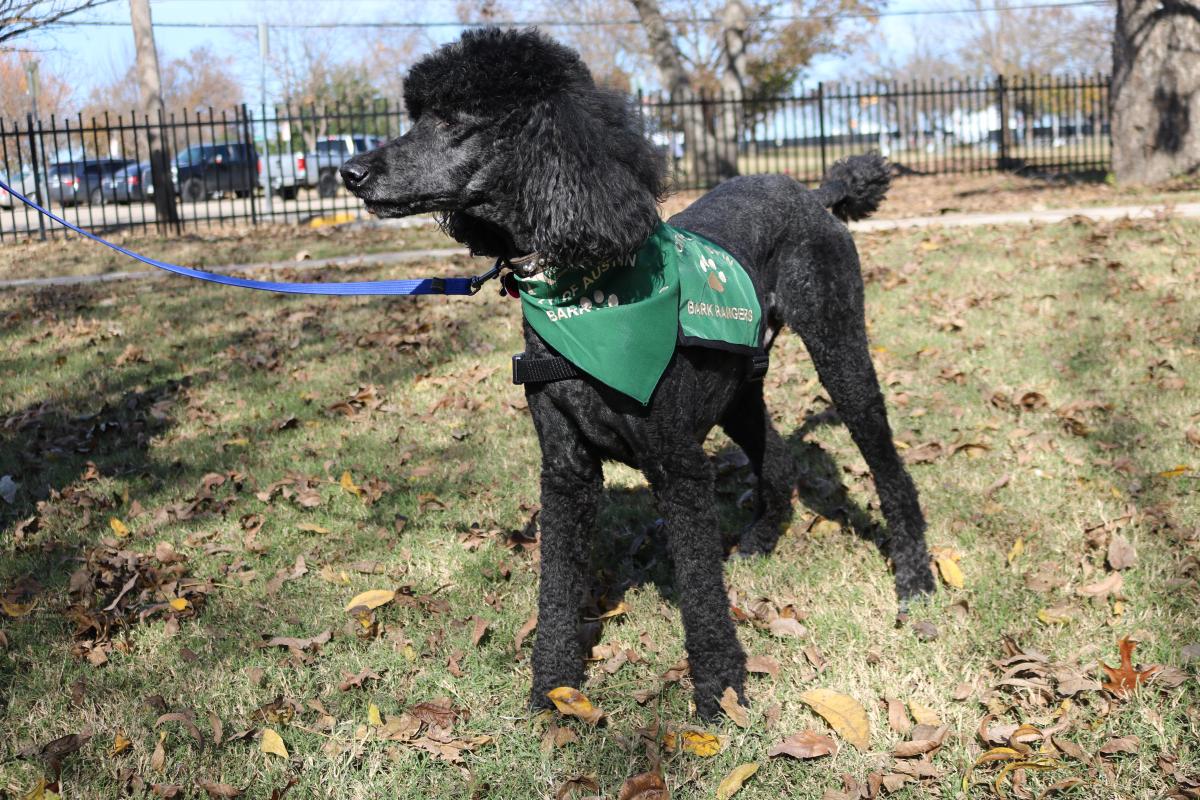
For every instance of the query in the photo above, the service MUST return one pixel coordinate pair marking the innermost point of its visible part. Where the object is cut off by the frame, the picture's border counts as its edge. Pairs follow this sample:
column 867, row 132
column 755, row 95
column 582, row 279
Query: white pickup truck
column 291, row 172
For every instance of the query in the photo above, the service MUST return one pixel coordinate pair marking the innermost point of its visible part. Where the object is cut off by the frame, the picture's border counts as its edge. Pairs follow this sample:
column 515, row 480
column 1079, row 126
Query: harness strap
column 542, row 370
column 556, row 368
column 455, row 286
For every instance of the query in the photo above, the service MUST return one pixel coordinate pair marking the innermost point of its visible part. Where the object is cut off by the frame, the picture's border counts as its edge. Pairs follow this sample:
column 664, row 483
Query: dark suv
column 81, row 181
column 204, row 170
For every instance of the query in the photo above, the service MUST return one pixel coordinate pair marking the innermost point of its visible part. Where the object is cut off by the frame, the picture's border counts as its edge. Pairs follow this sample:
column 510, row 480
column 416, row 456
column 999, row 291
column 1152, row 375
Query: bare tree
column 166, row 215
column 731, row 47
column 54, row 92
column 1156, row 90
column 19, row 17
column 996, row 40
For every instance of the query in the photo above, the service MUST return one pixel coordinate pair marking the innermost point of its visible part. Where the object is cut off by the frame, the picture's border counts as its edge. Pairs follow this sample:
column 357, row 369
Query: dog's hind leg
column 572, row 481
column 825, row 306
column 683, row 487
column 748, row 424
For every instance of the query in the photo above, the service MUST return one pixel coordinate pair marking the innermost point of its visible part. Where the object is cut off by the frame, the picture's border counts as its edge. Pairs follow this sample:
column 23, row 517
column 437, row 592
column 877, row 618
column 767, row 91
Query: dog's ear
column 587, row 181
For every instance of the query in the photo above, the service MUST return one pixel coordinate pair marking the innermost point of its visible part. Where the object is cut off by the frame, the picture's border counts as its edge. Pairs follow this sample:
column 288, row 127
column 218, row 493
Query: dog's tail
column 854, row 187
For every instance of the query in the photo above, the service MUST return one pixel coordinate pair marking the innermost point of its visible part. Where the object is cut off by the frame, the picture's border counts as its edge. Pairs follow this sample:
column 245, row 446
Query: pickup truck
column 291, row 172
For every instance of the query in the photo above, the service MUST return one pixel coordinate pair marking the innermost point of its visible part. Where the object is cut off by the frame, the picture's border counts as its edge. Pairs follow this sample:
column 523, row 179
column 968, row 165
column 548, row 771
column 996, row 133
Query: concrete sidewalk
column 1043, row 217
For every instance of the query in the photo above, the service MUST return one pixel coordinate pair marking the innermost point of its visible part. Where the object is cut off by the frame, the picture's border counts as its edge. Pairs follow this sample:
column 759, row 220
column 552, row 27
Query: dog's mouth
column 424, row 205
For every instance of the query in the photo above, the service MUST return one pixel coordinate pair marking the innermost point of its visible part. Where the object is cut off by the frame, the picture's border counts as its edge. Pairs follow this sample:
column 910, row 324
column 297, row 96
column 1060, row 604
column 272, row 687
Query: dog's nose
column 354, row 173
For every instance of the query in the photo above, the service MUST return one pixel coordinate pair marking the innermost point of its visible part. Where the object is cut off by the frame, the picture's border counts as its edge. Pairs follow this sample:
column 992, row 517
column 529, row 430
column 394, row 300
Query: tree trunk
column 150, row 87
column 1156, row 90
column 707, row 164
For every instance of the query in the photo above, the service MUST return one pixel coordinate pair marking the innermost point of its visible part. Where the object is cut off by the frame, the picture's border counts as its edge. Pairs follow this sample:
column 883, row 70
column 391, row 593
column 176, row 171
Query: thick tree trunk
column 1156, row 90
column 150, row 86
column 708, row 162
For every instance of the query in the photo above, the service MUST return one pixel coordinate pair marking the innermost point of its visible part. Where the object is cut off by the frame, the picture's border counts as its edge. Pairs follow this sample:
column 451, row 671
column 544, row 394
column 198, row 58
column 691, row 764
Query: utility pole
column 150, row 86
column 31, row 83
column 264, row 51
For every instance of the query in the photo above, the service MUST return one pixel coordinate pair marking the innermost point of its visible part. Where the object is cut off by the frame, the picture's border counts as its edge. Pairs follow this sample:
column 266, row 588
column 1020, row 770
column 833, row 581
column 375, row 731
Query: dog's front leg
column 571, row 484
column 683, row 487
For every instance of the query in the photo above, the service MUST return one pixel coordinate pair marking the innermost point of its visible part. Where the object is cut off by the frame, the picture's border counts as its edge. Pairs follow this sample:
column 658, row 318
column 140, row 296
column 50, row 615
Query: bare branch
column 19, row 17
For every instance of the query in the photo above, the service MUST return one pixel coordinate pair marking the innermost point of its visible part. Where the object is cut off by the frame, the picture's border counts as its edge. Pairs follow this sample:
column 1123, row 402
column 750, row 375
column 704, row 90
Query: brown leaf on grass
column 158, row 759
column 580, row 784
column 1121, row 553
column 925, row 741
column 479, row 630
column 272, row 744
column 1110, row 585
column 947, row 559
column 843, row 713
column 1070, row 748
column 1121, row 744
column 923, row 714
column 167, row 791
column 218, row 728
column 53, row 752
column 297, row 570
column 188, row 723
column 295, row 643
column 647, row 786
column 525, row 630
column 787, row 626
column 356, row 681
column 1124, row 679
column 805, row 744
column 438, row 712
column 571, row 702
column 763, row 664
column 734, row 709
column 732, row 783
column 218, row 791
column 897, row 716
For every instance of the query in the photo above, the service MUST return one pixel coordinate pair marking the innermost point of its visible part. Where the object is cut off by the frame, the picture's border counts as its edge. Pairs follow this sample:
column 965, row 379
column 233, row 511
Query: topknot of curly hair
column 491, row 70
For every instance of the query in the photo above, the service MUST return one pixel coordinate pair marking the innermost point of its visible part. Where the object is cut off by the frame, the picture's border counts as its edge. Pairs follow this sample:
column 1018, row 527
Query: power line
column 550, row 23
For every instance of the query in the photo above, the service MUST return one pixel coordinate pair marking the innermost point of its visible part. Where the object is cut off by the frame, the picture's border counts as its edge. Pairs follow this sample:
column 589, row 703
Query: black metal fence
column 249, row 166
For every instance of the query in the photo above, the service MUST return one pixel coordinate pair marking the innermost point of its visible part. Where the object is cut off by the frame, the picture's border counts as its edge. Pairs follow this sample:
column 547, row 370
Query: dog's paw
column 912, row 585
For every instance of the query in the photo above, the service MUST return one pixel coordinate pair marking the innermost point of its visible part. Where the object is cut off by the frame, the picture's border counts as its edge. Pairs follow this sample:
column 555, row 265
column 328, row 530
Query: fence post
column 37, row 176
column 248, row 134
column 821, row 120
column 1002, row 104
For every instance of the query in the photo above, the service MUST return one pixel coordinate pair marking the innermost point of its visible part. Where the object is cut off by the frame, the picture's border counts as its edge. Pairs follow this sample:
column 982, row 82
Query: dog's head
column 518, row 150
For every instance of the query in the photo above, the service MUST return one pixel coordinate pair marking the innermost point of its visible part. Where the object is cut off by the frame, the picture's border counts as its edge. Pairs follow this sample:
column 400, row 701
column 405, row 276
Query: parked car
column 204, row 170
column 133, row 184
column 325, row 164
column 22, row 182
column 290, row 172
column 77, row 182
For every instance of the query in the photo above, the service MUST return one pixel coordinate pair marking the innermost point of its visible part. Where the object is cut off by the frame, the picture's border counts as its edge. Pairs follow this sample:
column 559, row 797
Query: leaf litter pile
column 259, row 546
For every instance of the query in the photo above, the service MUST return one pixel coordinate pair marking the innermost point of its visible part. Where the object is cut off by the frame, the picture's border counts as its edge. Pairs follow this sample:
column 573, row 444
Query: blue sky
column 91, row 55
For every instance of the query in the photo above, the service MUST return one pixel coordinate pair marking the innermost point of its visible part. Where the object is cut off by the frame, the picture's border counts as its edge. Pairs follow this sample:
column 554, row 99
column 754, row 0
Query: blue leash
column 456, row 286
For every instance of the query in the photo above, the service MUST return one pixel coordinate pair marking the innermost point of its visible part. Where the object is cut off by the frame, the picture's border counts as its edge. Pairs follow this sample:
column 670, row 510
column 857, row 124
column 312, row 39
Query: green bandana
column 620, row 322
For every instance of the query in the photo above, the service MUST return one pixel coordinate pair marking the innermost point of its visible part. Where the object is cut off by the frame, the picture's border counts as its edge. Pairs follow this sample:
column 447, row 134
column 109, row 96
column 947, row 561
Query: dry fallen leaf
column 1111, row 584
column 733, row 709
column 762, row 664
column 805, row 744
column 118, row 527
column 647, row 786
column 219, row 791
column 571, row 702
column 120, row 744
column 1121, row 744
column 787, row 626
column 273, row 744
column 348, row 484
column 372, row 599
column 924, row 715
column 1124, row 679
column 697, row 743
column 947, row 564
column 843, row 713
column 374, row 719
column 1121, row 553
column 732, row 782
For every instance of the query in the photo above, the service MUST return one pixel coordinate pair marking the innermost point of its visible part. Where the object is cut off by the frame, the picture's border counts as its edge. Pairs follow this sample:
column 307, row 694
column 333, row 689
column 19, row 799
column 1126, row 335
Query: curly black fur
column 854, row 187
column 515, row 145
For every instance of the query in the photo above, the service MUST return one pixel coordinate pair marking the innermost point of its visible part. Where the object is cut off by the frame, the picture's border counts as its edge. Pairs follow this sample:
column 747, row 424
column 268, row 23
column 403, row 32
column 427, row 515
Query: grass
column 118, row 401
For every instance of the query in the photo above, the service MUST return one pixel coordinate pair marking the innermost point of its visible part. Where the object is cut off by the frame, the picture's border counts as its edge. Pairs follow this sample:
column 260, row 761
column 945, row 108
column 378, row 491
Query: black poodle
column 521, row 153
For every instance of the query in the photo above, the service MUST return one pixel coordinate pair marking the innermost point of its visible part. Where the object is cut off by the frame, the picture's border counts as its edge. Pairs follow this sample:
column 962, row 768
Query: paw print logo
column 716, row 277
column 598, row 300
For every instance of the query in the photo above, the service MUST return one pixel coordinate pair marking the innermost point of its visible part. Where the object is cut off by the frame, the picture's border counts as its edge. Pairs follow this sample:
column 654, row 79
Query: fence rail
column 247, row 166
